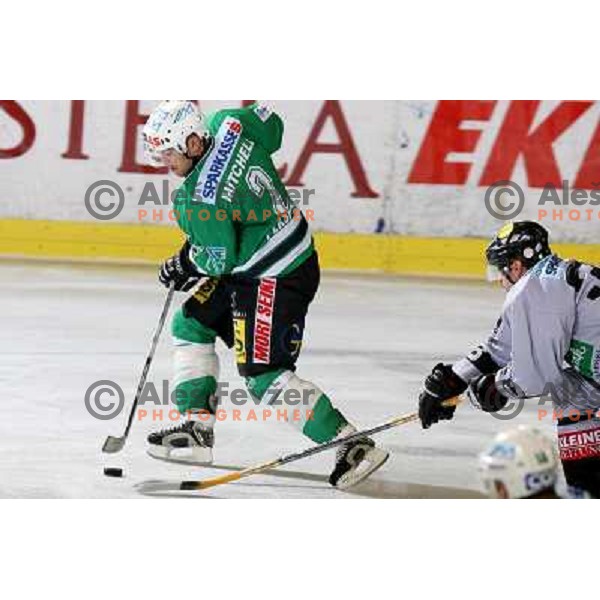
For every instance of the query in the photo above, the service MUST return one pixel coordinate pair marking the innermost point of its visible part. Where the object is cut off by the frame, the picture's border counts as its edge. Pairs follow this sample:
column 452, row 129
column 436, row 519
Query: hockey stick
column 113, row 444
column 288, row 458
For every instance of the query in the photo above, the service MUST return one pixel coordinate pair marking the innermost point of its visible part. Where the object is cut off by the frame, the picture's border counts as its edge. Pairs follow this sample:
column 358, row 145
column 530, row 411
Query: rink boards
column 392, row 254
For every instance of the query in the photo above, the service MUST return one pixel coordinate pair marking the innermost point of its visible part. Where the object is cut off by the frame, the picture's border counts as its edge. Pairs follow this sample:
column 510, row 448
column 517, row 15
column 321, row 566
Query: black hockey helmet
column 525, row 240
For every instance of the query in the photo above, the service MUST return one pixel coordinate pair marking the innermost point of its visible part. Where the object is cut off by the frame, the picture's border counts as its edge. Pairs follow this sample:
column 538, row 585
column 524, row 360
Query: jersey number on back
column 258, row 181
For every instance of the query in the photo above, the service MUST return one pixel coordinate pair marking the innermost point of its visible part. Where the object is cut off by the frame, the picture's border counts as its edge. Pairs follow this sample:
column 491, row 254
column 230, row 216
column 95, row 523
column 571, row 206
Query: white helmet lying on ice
column 520, row 463
column 169, row 126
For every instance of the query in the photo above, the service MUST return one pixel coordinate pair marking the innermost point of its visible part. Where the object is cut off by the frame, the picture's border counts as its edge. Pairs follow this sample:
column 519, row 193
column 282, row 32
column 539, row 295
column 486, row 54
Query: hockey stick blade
column 202, row 485
column 113, row 444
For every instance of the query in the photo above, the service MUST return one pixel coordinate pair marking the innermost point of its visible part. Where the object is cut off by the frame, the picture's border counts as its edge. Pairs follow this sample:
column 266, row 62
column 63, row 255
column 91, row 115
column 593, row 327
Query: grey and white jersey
column 547, row 340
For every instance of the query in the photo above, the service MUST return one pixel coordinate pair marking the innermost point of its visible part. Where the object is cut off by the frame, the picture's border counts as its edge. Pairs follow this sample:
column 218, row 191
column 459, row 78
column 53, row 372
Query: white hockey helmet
column 169, row 126
column 519, row 463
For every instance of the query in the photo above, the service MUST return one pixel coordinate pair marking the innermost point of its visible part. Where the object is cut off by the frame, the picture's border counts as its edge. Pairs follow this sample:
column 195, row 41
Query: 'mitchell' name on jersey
column 234, row 208
column 211, row 175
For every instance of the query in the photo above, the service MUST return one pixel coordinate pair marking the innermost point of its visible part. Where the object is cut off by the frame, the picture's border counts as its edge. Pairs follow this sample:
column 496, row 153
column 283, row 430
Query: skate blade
column 372, row 461
column 187, row 456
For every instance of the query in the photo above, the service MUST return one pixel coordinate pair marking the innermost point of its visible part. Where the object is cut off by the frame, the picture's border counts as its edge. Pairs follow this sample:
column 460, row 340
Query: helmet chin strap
column 192, row 166
column 506, row 273
column 195, row 160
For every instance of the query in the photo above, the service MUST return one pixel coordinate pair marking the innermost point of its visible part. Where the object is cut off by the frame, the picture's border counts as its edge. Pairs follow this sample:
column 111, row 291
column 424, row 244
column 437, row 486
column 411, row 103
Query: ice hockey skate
column 190, row 442
column 355, row 461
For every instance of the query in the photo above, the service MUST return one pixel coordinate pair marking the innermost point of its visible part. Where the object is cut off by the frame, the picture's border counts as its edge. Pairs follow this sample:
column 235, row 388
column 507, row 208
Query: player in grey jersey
column 546, row 343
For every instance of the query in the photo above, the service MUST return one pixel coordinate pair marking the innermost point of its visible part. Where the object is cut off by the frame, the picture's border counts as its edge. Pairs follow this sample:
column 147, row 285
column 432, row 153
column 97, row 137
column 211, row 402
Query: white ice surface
column 369, row 343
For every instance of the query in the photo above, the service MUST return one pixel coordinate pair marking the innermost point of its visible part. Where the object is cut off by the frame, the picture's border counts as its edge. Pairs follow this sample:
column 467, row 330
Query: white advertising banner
column 426, row 168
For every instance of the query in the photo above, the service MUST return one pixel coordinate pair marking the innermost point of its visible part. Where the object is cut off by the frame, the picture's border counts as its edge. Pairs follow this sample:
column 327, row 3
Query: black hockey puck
column 113, row 472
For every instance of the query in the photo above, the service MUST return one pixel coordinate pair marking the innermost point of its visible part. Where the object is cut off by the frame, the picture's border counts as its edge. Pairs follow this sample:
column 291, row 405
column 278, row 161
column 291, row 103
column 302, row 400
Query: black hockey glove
column 180, row 270
column 483, row 394
column 442, row 384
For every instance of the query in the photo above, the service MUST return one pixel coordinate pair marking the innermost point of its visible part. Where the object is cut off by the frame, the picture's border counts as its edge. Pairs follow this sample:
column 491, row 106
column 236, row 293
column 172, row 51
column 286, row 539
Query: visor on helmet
column 493, row 273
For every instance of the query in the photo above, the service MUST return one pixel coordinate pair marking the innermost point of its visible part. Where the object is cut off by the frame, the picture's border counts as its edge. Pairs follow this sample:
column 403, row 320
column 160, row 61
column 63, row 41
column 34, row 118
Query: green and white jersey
column 233, row 206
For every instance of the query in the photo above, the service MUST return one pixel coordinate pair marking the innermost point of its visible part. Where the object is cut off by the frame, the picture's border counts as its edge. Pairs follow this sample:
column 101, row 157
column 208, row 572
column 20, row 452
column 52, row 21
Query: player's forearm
column 477, row 363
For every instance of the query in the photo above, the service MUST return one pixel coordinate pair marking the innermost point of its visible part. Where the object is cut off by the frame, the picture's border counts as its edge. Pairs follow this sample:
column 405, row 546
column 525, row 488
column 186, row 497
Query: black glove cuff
column 444, row 383
column 186, row 266
column 457, row 384
column 486, row 396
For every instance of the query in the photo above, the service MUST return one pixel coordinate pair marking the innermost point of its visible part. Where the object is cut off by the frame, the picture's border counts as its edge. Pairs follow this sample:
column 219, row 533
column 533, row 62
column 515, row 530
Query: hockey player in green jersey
column 250, row 254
